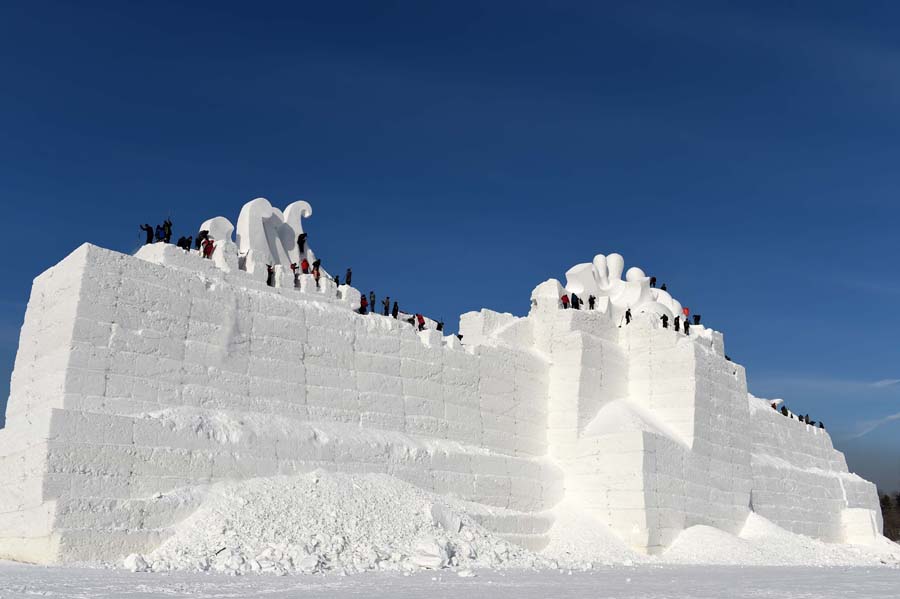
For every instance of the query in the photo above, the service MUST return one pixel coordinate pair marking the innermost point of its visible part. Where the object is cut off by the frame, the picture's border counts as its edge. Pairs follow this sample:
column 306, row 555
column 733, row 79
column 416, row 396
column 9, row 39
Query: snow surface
column 18, row 581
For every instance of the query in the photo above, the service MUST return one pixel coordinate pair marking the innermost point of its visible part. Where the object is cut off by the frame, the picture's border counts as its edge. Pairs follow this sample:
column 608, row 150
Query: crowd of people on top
column 368, row 305
column 205, row 244
column 803, row 419
column 679, row 324
column 163, row 234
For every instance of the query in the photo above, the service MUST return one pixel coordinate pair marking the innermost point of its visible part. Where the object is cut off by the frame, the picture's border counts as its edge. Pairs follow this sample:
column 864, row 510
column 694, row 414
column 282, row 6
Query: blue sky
column 457, row 154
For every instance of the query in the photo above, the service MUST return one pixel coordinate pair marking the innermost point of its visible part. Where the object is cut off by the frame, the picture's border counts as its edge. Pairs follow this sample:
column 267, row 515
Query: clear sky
column 456, row 154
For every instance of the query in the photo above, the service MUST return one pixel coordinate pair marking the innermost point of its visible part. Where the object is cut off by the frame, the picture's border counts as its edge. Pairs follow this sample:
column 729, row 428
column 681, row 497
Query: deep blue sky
column 458, row 154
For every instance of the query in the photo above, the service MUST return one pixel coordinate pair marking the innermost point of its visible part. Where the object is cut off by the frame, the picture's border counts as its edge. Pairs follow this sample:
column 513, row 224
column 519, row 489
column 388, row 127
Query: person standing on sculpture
column 372, row 302
column 386, row 305
column 395, row 311
column 148, row 230
column 363, row 303
column 209, row 247
column 301, row 243
column 628, row 316
column 348, row 277
column 575, row 301
column 202, row 235
column 565, row 301
column 591, row 301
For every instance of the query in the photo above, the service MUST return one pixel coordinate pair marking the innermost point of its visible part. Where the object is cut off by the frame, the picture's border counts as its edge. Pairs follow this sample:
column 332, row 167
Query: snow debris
column 332, row 522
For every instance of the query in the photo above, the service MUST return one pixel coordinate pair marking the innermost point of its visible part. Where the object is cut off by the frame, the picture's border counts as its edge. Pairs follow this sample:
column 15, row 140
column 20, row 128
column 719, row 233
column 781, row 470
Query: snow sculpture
column 140, row 380
column 268, row 236
column 220, row 231
column 603, row 278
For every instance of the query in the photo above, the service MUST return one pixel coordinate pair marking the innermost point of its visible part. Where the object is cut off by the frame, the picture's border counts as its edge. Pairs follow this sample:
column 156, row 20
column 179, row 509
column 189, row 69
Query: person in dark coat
column 296, row 270
column 301, row 242
column 198, row 243
column 784, row 411
column 822, row 426
column 687, row 327
column 696, row 319
column 372, row 301
column 348, row 277
column 628, row 316
column 386, row 305
column 665, row 321
column 148, row 230
column 187, row 243
column 440, row 326
column 591, row 302
column 160, row 233
column 270, row 276
column 575, row 301
column 337, row 281
column 167, row 230
column 180, row 242
column 677, row 323
column 663, row 288
column 363, row 303
column 395, row 310
column 316, row 264
column 653, row 281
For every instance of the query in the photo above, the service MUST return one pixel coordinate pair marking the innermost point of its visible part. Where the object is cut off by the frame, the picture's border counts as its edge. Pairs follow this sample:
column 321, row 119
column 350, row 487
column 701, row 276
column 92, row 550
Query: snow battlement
column 141, row 380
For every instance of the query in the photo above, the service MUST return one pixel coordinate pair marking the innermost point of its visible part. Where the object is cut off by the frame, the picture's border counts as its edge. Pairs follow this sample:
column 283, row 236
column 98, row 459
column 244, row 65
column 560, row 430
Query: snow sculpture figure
column 293, row 216
column 603, row 278
column 221, row 230
column 268, row 236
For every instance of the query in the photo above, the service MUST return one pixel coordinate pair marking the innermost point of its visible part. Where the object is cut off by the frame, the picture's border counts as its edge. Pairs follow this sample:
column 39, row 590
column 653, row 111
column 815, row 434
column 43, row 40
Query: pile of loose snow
column 349, row 523
column 578, row 538
column 326, row 521
column 762, row 543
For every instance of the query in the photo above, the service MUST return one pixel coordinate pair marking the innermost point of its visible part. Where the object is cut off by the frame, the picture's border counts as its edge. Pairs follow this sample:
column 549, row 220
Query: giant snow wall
column 140, row 380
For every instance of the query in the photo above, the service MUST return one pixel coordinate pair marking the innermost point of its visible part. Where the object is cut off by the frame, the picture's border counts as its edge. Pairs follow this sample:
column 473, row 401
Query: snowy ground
column 662, row 582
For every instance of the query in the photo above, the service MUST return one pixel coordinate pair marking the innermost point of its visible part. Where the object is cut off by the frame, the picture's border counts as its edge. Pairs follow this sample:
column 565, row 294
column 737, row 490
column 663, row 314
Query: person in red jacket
column 565, row 301
column 304, row 266
column 209, row 247
column 363, row 304
column 421, row 320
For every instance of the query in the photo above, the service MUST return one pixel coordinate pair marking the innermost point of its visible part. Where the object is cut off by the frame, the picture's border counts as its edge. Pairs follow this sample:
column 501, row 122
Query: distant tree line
column 890, row 509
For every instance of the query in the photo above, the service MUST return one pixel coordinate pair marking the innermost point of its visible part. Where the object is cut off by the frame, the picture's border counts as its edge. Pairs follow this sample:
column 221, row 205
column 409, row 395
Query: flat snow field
column 663, row 582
